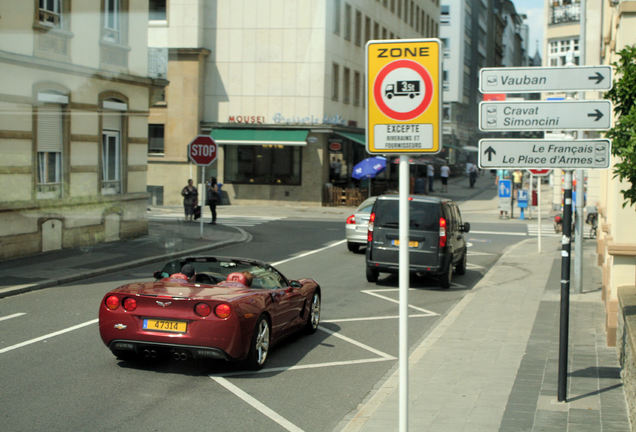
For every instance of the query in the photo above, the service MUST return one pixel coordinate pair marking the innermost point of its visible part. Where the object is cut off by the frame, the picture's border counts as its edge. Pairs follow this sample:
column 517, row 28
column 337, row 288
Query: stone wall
column 626, row 345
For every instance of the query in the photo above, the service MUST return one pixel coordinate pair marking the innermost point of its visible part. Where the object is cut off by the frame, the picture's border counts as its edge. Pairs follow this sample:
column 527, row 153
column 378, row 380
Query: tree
column 623, row 134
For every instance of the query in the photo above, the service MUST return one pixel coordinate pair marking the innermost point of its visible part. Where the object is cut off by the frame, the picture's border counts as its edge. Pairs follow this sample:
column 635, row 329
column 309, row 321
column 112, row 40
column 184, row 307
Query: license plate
column 165, row 325
column 412, row 243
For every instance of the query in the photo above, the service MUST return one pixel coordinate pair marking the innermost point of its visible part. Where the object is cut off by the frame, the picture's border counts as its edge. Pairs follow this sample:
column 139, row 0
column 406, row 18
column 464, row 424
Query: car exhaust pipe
column 176, row 356
column 150, row 353
column 180, row 355
column 184, row 356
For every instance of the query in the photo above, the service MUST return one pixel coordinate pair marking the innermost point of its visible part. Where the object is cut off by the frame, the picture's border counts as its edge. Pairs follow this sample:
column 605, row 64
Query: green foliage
column 623, row 134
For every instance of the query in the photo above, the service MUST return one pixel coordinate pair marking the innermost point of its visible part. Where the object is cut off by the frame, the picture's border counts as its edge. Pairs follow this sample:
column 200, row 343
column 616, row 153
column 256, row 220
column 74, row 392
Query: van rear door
column 423, row 232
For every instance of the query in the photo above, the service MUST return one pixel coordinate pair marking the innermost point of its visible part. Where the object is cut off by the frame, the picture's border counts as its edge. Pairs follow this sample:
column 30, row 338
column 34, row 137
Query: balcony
column 570, row 13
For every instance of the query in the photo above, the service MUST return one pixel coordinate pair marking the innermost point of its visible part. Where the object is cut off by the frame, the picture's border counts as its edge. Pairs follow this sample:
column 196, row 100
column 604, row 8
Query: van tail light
column 351, row 220
column 370, row 230
column 442, row 232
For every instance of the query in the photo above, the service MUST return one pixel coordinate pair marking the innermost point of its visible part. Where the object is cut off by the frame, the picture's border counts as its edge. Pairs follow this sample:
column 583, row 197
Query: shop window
column 262, row 164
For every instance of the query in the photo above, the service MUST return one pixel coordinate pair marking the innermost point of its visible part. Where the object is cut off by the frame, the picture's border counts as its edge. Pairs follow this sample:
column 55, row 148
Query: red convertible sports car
column 215, row 313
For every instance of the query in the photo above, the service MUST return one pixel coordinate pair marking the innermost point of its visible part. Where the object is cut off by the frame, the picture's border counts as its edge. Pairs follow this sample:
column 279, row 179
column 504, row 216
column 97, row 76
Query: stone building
column 73, row 123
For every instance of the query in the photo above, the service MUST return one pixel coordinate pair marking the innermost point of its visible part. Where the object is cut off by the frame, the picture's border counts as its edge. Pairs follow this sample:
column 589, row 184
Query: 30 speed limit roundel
column 403, row 89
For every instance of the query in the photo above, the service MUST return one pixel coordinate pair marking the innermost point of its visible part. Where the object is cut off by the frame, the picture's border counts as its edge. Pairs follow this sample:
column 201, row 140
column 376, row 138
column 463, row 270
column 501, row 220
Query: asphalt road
column 58, row 376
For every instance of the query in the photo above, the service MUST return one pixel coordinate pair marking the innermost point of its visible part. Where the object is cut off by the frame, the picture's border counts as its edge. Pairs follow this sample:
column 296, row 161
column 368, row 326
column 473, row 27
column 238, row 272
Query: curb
column 10, row 291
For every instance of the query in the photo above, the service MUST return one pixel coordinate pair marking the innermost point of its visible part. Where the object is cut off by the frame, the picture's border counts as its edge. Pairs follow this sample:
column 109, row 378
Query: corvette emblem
column 121, row 326
column 163, row 304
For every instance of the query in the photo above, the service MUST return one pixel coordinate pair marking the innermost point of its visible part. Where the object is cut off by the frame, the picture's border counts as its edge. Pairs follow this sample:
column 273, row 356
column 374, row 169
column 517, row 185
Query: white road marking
column 47, row 336
column 499, row 233
column 375, row 293
column 387, row 317
column 304, row 254
column 15, row 315
column 283, row 422
column 356, row 343
column 305, row 366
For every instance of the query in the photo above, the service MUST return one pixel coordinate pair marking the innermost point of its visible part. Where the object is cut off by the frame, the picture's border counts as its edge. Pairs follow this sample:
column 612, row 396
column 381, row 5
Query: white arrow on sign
column 545, row 79
column 510, row 153
column 545, row 115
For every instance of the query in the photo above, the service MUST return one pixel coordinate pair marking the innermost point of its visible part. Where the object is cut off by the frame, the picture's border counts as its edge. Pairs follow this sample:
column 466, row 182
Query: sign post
column 404, row 97
column 202, row 152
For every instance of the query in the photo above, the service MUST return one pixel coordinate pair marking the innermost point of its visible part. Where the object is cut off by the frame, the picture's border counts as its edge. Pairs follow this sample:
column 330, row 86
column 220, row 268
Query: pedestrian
column 190, row 198
column 212, row 197
column 517, row 179
column 472, row 175
column 430, row 174
column 444, row 172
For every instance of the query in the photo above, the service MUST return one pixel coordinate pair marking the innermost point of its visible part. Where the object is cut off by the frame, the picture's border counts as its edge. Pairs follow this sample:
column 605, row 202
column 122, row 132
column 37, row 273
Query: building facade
column 73, row 127
column 278, row 84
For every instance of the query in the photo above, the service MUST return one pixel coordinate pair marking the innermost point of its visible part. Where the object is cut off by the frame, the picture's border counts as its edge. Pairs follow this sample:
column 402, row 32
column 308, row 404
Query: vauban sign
column 545, row 115
column 545, row 79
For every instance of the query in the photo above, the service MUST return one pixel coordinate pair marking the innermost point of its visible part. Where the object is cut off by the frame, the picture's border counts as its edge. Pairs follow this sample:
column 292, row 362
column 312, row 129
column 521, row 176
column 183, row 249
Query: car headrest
column 237, row 277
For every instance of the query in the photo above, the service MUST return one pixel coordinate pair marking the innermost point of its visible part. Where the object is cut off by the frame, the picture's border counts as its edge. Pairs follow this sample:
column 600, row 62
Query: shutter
column 111, row 121
column 50, row 128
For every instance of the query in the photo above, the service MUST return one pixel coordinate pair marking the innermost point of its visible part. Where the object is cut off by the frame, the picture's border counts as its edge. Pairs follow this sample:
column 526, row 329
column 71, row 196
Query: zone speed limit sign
column 404, row 96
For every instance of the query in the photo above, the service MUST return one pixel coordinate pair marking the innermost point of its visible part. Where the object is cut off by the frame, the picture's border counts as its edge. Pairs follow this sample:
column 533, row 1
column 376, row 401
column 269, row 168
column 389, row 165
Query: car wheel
column 353, row 247
column 314, row 314
column 460, row 269
column 259, row 347
column 372, row 274
column 446, row 277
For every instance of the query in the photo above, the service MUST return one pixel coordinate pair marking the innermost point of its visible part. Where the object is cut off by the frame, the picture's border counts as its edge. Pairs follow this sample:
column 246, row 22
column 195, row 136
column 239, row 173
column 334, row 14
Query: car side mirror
column 295, row 284
column 158, row 275
column 466, row 227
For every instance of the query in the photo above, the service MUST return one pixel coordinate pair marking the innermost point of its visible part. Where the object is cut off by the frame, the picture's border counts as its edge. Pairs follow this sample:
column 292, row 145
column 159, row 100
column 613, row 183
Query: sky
column 535, row 21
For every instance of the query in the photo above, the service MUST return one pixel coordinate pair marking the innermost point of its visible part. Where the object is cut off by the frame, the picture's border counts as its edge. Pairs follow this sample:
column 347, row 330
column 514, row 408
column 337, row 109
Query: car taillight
column 442, row 232
column 351, row 220
column 370, row 229
column 112, row 302
column 202, row 309
column 223, row 310
column 130, row 304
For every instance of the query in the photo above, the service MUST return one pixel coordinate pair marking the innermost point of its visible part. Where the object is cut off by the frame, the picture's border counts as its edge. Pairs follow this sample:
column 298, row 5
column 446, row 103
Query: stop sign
column 540, row 172
column 202, row 150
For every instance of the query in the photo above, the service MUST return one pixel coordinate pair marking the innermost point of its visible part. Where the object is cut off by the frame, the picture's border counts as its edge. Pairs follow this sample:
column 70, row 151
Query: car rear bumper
column 390, row 267
column 180, row 352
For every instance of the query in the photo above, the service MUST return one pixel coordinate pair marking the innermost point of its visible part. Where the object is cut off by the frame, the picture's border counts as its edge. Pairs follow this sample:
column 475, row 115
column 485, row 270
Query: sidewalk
column 492, row 363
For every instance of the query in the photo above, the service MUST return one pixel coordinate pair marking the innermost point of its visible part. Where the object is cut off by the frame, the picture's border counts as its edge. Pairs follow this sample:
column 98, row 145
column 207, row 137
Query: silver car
column 357, row 224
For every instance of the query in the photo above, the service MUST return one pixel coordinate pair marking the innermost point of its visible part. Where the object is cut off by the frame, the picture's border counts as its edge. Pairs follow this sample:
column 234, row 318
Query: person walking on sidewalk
column 444, row 172
column 190, row 198
column 212, row 197
column 430, row 175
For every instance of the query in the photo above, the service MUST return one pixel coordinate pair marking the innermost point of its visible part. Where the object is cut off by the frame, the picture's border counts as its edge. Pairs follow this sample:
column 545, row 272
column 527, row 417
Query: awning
column 288, row 137
column 355, row 137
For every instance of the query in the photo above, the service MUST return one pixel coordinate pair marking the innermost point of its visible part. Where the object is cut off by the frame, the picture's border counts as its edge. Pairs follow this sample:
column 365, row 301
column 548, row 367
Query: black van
column 436, row 237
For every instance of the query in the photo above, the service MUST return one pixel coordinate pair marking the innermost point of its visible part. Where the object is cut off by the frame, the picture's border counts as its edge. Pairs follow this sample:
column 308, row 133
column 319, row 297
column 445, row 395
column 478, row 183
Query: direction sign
column 404, row 96
column 545, row 115
column 202, row 150
column 545, row 79
column 510, row 154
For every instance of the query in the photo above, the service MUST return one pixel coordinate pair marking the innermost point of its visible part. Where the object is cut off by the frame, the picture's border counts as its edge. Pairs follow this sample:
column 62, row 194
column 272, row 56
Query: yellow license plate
column 411, row 243
column 165, row 325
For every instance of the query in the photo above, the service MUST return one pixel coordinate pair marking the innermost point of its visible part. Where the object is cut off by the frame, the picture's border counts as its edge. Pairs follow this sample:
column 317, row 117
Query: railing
column 565, row 13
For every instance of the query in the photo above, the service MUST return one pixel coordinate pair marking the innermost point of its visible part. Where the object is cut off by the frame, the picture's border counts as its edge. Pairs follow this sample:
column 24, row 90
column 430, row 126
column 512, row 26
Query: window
column 157, row 10
column 358, row 30
column 347, row 85
column 356, row 88
column 336, row 16
column 446, row 112
column 347, row 23
column 335, row 81
column 155, row 139
column 367, row 29
column 445, row 14
column 110, row 162
column 262, row 164
column 50, row 142
column 376, row 30
column 111, row 21
column 384, row 33
column 399, row 8
column 50, row 13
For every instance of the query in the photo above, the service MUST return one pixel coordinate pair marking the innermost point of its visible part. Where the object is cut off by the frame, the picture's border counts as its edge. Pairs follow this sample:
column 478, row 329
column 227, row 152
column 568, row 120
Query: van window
column 422, row 215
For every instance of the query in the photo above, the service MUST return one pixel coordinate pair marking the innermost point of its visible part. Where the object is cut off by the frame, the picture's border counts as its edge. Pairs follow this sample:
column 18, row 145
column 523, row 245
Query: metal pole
column 539, row 210
column 404, row 294
column 202, row 201
column 565, row 287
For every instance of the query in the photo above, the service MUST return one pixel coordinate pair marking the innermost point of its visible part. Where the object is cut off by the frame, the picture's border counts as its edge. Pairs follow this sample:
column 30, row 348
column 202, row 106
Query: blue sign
column 505, row 188
column 522, row 198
